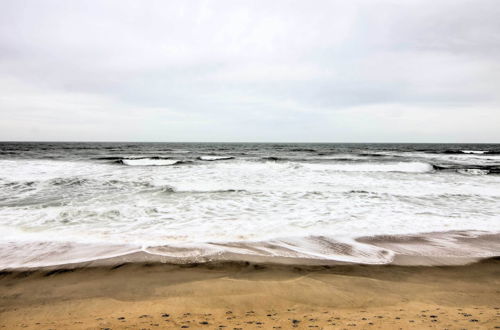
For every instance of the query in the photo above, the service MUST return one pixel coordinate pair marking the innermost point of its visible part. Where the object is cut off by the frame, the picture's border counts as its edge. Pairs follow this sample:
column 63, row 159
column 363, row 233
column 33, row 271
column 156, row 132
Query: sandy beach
column 248, row 296
column 234, row 165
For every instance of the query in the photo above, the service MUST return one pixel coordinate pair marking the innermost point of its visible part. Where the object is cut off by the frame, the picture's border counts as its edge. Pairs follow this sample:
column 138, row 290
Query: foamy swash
column 444, row 248
column 282, row 203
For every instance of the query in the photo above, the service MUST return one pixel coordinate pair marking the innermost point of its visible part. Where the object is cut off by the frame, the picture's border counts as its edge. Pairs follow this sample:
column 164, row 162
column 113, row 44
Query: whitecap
column 148, row 162
column 474, row 151
column 212, row 158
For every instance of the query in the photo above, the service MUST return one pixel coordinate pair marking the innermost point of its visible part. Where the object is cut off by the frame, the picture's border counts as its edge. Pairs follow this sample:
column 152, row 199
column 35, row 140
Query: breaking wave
column 407, row 167
column 468, row 169
column 148, row 162
column 213, row 158
column 151, row 162
column 480, row 152
column 469, row 152
column 63, row 204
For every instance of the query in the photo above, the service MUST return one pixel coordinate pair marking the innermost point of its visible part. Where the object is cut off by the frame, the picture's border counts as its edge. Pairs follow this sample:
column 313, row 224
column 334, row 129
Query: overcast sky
column 325, row 71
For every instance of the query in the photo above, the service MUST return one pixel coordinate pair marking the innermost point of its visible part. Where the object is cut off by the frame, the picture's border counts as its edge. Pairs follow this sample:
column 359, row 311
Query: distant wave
column 330, row 159
column 474, row 151
column 469, row 169
column 130, row 157
column 364, row 154
column 214, row 158
column 356, row 165
column 406, row 167
column 303, row 150
column 470, row 152
column 150, row 162
column 145, row 161
column 109, row 158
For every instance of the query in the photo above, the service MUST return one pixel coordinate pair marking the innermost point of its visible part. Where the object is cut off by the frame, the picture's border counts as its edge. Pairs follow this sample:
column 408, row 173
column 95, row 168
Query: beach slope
column 248, row 296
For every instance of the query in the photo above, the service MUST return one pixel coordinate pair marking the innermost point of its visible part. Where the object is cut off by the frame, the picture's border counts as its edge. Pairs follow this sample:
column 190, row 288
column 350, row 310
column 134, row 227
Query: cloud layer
column 346, row 71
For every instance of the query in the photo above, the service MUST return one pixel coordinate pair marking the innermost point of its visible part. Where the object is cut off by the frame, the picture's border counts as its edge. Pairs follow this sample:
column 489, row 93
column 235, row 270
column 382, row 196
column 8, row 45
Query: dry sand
column 243, row 296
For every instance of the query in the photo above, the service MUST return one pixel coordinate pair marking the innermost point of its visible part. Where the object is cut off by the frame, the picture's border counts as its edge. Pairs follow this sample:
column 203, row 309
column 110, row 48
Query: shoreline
column 250, row 296
column 421, row 249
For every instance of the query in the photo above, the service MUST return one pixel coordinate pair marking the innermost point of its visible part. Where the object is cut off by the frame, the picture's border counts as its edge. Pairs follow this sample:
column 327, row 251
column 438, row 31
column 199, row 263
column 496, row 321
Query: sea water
column 189, row 202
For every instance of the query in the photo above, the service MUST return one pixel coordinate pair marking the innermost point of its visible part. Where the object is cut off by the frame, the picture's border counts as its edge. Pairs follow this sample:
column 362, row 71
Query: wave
column 334, row 164
column 310, row 160
column 109, row 158
column 410, row 167
column 469, row 169
column 214, row 158
column 364, row 154
column 130, row 157
column 468, row 152
column 331, row 159
column 148, row 162
column 151, row 162
column 405, row 167
column 303, row 150
column 474, row 151
column 435, row 248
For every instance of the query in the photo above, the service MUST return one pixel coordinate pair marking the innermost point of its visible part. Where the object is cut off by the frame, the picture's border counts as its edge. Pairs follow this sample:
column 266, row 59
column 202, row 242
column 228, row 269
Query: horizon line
column 236, row 142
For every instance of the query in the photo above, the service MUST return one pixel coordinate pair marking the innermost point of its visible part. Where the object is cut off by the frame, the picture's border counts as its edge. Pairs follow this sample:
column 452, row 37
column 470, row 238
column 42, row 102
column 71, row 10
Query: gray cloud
column 250, row 71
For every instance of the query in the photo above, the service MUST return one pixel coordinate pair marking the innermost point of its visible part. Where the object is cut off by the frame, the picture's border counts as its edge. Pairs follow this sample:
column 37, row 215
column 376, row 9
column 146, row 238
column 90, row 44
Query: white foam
column 474, row 151
column 211, row 158
column 430, row 248
column 149, row 162
column 31, row 254
column 408, row 167
column 237, row 201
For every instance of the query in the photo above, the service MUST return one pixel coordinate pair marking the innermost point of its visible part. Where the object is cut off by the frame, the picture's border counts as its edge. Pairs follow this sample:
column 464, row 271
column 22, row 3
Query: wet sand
column 247, row 296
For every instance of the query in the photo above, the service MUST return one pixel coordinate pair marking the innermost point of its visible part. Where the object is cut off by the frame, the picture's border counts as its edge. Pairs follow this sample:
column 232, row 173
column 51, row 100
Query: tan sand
column 239, row 296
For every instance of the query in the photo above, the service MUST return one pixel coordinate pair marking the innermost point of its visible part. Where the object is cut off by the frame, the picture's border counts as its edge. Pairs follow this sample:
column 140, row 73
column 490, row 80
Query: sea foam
column 278, row 203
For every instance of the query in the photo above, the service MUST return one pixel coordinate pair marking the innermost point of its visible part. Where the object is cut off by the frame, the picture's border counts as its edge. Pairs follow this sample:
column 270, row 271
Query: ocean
column 294, row 203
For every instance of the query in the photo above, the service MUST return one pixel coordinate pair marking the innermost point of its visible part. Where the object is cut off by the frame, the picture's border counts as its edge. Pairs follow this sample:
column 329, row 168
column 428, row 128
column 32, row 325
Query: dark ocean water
column 83, row 150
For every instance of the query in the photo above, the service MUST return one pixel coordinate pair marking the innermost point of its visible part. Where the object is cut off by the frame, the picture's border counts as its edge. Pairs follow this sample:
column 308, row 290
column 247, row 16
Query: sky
column 235, row 71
